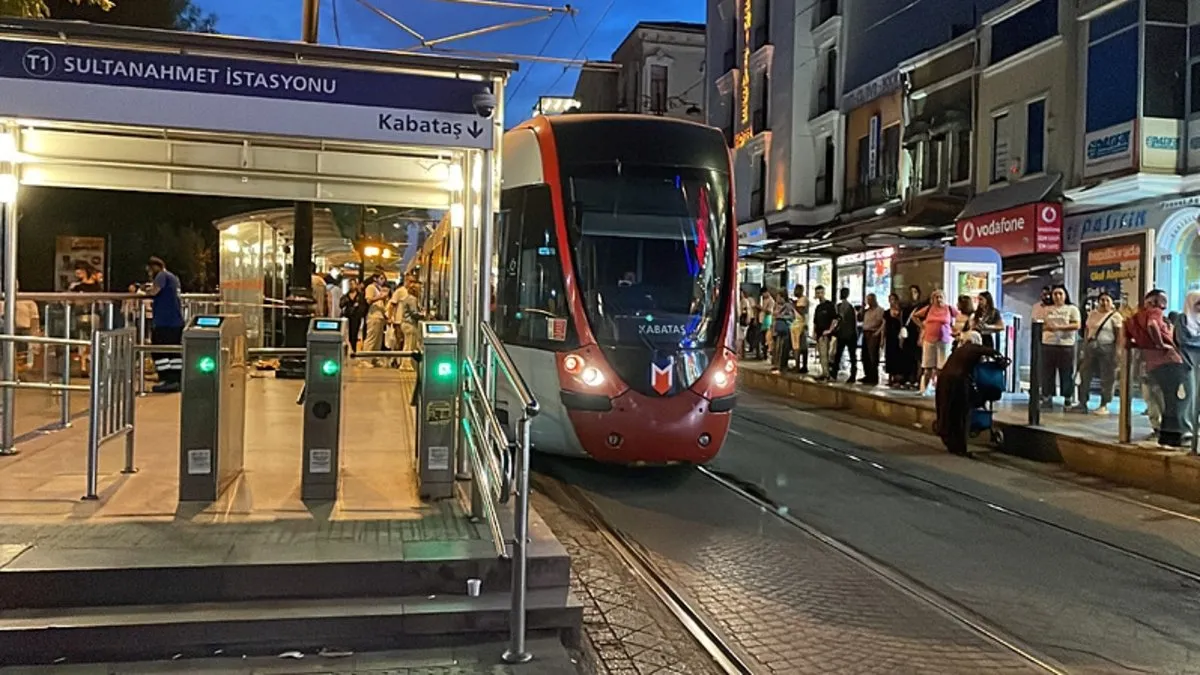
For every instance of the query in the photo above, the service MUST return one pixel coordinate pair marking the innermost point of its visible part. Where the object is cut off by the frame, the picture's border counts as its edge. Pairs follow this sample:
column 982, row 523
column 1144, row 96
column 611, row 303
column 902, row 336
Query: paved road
column 796, row 606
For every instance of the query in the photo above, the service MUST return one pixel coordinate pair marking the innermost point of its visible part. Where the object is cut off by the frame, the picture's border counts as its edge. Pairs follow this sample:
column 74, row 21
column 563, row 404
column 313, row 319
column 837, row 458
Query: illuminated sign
column 747, row 131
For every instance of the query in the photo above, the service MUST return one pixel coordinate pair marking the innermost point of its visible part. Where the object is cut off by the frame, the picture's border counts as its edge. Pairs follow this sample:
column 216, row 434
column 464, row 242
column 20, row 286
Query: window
column 1166, row 11
column 889, row 156
column 827, row 92
column 825, row 10
column 531, row 308
column 762, row 31
column 1164, row 88
column 931, row 163
column 864, row 160
column 1027, row 28
column 825, row 176
column 1035, row 137
column 960, row 156
column 1112, row 69
column 999, row 147
column 658, row 89
column 759, row 114
column 758, row 193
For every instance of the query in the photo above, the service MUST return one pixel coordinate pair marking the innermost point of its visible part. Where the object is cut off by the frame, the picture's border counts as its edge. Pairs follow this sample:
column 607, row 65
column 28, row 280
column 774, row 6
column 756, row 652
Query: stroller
column 987, row 387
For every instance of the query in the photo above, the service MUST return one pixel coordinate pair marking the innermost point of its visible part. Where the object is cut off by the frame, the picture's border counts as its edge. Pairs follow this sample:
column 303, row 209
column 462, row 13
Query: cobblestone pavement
column 482, row 659
column 626, row 630
column 790, row 603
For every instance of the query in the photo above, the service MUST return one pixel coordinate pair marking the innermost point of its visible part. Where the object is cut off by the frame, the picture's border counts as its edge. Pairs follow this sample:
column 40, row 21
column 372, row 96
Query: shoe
column 1101, row 411
column 1047, row 403
column 165, row 388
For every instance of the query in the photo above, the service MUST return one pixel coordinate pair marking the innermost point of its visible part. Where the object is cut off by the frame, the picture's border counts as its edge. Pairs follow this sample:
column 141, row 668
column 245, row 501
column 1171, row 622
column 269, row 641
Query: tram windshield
column 649, row 247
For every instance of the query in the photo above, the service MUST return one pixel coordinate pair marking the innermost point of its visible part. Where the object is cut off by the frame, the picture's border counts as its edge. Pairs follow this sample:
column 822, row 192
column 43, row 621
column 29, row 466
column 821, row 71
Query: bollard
column 1125, row 391
column 1035, row 373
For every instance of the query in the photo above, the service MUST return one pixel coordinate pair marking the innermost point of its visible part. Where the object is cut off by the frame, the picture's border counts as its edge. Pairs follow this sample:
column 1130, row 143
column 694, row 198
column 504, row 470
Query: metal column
column 8, row 364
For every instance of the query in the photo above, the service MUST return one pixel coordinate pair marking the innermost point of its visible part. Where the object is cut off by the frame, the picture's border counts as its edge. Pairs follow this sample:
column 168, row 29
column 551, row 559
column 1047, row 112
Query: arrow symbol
column 475, row 130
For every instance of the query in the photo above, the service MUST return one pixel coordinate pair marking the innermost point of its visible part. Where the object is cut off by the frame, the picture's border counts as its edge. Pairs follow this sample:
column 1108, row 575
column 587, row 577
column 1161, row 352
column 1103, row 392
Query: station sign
column 218, row 93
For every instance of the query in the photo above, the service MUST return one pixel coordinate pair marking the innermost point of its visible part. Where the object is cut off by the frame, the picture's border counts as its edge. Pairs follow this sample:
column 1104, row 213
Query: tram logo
column 661, row 377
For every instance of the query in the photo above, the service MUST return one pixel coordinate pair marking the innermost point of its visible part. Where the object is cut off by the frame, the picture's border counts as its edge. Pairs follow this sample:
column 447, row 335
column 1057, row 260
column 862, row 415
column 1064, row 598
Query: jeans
column 870, row 356
column 1098, row 361
column 1174, row 380
column 1058, row 368
column 844, row 346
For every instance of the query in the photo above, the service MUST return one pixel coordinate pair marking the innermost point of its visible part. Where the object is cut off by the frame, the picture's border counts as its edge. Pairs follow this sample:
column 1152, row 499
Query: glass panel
column 1167, row 11
column 1113, row 20
column 531, row 307
column 1035, row 137
column 1026, row 28
column 649, row 245
column 1112, row 81
column 1165, row 88
column 999, row 147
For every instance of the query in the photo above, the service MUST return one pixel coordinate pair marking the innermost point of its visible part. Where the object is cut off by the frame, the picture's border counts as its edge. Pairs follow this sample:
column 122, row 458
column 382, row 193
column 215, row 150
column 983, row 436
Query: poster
column 68, row 251
column 972, row 283
column 1114, row 266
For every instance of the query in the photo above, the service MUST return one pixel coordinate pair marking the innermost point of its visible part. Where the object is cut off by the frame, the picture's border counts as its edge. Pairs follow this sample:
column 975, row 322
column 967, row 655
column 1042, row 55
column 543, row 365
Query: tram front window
column 649, row 249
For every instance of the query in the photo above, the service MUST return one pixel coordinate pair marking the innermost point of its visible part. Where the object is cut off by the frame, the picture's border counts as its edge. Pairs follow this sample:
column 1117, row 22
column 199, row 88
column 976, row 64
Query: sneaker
column 1101, row 411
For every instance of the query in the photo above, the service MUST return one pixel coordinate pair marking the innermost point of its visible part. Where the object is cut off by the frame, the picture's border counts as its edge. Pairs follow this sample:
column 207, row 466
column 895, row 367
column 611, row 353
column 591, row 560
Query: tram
column 615, row 285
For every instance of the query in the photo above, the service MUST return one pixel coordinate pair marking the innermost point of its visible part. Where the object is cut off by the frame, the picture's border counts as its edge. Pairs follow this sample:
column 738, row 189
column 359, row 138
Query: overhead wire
column 337, row 29
column 583, row 46
column 545, row 45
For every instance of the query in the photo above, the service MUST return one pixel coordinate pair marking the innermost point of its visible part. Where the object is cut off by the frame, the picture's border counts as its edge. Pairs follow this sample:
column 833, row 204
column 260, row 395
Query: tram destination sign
column 214, row 93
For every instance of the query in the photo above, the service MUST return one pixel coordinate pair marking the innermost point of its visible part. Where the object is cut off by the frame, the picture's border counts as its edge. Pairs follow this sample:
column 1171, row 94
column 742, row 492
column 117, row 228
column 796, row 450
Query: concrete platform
column 135, row 576
column 1085, row 444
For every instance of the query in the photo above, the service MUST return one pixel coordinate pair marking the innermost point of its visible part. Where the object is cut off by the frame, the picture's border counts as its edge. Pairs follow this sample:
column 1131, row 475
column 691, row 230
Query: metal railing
column 112, row 397
column 500, row 466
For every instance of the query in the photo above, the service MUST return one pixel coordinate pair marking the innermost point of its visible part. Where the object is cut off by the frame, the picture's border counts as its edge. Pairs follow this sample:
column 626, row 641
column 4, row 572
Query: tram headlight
column 591, row 376
column 720, row 378
column 573, row 364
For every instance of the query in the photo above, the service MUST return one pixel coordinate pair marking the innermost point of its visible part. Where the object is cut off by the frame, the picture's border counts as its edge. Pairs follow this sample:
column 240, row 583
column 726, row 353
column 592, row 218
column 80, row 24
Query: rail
column 496, row 358
column 112, row 404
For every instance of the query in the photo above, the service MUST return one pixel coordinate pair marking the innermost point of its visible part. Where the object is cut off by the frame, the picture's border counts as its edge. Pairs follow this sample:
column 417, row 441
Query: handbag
column 903, row 333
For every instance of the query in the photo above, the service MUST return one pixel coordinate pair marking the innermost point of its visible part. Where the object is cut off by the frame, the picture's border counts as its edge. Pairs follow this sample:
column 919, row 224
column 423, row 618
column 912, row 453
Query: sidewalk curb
column 1167, row 472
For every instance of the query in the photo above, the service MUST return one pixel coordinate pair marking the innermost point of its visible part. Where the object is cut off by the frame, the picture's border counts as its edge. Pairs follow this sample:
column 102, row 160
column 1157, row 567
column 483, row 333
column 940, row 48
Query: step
column 45, row 578
column 266, row 627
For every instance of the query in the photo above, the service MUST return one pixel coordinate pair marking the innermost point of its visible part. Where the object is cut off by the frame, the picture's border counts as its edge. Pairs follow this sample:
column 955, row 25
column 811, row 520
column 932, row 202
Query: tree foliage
column 168, row 14
column 37, row 9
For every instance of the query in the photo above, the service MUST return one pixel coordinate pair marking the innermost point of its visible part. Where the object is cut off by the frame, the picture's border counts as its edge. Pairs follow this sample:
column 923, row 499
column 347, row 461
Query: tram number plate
column 438, row 413
column 320, row 460
column 556, row 329
column 439, row 458
column 199, row 462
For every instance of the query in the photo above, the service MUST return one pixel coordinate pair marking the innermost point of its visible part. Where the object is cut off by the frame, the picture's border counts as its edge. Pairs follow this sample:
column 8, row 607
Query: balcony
column 824, row 11
column 871, row 193
column 729, row 60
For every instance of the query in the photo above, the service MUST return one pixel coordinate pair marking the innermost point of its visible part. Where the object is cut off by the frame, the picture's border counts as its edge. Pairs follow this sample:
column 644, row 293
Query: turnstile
column 325, row 345
column 437, row 404
column 212, row 416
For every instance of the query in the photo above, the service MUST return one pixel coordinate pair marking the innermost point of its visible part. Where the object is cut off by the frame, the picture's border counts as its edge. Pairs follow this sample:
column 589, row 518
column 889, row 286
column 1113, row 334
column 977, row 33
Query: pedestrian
column 872, row 339
column 1101, row 351
column 935, row 321
column 895, row 356
column 912, row 338
column 987, row 320
column 962, row 322
column 27, row 322
column 745, row 311
column 404, row 315
column 167, row 328
column 766, row 317
column 377, row 296
column 824, row 323
column 354, row 309
column 956, row 392
column 847, row 337
column 1045, row 302
column 785, row 315
column 1060, row 332
column 1186, row 327
column 800, row 331
column 1149, row 333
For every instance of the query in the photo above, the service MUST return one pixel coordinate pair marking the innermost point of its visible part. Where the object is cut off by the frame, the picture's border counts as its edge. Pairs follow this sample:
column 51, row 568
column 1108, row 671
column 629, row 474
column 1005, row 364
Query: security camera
column 484, row 103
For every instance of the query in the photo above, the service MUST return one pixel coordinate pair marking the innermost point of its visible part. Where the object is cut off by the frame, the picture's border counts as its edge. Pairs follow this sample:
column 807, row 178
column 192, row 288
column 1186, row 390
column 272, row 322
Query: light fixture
column 232, row 245
column 456, row 215
column 8, row 149
column 918, row 95
column 396, row 225
column 477, row 175
column 454, row 178
column 908, row 229
column 9, row 185
column 387, row 253
column 370, row 251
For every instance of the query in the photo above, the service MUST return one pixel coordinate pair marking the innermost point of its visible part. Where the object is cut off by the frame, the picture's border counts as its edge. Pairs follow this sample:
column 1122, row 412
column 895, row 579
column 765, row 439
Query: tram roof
column 230, row 45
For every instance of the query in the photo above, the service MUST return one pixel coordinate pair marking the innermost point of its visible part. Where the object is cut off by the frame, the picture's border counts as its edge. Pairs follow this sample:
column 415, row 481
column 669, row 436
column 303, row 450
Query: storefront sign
column 864, row 256
column 1087, row 226
column 751, row 233
column 747, row 131
column 1161, row 144
column 1114, row 266
column 1033, row 228
column 1108, row 150
column 171, row 90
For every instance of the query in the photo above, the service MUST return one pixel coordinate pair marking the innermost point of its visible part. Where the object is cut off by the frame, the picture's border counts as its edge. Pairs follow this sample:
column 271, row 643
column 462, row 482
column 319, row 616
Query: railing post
column 139, row 354
column 1035, row 373
column 517, row 652
column 65, row 401
column 94, row 420
column 130, row 398
column 1125, row 410
column 1014, row 347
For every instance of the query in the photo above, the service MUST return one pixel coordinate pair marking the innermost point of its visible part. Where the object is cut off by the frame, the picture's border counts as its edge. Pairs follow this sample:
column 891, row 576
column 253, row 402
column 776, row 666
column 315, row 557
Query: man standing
column 377, row 296
column 847, row 336
column 167, row 328
column 824, row 324
column 1150, row 333
column 800, row 331
column 872, row 340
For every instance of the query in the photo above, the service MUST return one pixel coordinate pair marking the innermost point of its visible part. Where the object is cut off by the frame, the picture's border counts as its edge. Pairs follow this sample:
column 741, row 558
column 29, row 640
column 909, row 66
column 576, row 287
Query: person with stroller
column 957, row 392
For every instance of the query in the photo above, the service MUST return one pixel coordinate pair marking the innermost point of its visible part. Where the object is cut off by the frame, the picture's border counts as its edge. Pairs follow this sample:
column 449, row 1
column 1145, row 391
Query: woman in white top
column 1060, row 332
column 1101, row 347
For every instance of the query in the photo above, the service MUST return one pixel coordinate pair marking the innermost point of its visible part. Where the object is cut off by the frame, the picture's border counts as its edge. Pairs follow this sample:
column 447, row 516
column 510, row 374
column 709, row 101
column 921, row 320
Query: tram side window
column 531, row 308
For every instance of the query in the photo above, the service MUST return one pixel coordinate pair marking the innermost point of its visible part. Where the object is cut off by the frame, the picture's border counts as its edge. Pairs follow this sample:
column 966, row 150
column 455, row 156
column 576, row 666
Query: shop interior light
column 370, row 251
column 9, row 185
column 387, row 253
column 8, row 149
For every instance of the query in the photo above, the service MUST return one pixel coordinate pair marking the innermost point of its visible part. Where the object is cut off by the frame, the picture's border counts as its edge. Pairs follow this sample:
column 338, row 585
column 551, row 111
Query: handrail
column 40, row 340
column 498, row 437
column 510, row 371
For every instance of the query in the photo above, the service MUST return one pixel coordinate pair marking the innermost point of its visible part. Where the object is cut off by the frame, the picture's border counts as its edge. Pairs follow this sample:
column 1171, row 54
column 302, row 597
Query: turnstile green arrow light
column 330, row 367
column 206, row 364
column 444, row 370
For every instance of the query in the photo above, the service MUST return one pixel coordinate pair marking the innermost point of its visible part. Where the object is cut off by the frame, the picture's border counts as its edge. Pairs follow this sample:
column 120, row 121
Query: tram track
column 815, row 446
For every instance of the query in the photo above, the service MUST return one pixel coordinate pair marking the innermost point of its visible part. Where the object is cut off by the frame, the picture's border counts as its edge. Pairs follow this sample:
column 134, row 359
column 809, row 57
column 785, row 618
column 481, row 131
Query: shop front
column 1131, row 248
column 1029, row 241
column 866, row 272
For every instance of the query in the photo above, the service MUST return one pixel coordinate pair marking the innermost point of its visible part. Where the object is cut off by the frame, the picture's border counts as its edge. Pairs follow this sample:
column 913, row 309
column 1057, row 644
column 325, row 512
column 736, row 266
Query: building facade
column 658, row 69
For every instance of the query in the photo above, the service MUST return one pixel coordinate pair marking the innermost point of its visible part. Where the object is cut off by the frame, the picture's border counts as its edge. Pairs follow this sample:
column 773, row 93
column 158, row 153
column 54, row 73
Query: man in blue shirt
column 168, row 325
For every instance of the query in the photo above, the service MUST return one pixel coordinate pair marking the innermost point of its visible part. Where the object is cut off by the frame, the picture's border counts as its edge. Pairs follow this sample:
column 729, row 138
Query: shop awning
column 1037, row 189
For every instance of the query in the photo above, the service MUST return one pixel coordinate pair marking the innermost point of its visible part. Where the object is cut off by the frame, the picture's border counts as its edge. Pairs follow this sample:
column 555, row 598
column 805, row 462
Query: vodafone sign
column 1032, row 228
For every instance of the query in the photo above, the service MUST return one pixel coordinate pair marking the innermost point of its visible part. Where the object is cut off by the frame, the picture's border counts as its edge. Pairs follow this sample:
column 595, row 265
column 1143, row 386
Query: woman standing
column 800, row 331
column 1186, row 330
column 962, row 322
column 354, row 309
column 1101, row 346
column 987, row 320
column 895, row 359
column 785, row 314
column 936, row 321
column 1059, row 335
